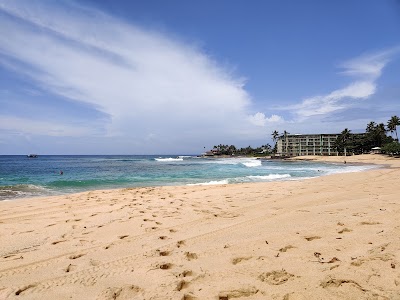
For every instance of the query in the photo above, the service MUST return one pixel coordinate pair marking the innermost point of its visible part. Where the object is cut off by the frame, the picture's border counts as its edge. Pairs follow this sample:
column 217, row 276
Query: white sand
column 333, row 237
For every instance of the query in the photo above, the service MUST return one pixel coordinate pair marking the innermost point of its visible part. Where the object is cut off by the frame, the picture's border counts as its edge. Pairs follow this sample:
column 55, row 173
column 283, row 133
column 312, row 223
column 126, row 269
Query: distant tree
column 380, row 135
column 392, row 148
column 344, row 136
column 376, row 135
column 392, row 125
column 275, row 135
column 285, row 134
column 370, row 127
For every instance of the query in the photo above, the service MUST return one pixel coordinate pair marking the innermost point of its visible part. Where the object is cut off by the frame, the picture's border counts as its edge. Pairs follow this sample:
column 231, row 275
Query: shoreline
column 335, row 160
column 331, row 237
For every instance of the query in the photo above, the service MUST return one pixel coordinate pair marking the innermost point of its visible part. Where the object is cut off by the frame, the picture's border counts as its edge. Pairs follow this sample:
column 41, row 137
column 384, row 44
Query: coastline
column 330, row 237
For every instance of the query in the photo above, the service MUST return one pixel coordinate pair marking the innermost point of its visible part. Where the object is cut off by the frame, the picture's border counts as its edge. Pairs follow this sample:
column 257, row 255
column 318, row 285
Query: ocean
column 46, row 175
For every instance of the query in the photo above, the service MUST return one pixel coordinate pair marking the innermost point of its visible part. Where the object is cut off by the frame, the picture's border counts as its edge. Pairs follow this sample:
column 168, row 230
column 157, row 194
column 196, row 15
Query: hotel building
column 307, row 144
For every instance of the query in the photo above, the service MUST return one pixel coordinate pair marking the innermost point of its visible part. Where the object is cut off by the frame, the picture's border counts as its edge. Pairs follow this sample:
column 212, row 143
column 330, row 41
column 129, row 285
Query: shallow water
column 27, row 177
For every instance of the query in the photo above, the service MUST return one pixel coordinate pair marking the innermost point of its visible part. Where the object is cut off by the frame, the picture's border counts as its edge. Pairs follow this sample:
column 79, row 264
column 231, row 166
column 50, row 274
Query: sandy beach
column 332, row 237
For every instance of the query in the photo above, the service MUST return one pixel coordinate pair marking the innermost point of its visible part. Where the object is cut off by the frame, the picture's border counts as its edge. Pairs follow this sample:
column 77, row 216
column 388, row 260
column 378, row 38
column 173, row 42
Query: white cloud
column 259, row 119
column 365, row 70
column 150, row 85
column 370, row 66
column 322, row 105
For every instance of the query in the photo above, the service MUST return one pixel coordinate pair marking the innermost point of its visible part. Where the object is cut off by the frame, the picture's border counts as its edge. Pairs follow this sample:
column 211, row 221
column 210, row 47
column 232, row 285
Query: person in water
column 61, row 172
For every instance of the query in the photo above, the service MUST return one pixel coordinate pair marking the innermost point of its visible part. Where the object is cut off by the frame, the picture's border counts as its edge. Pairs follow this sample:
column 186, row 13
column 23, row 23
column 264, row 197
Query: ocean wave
column 225, row 181
column 269, row 177
column 248, row 162
column 169, row 159
column 252, row 163
column 22, row 190
column 222, row 161
column 351, row 169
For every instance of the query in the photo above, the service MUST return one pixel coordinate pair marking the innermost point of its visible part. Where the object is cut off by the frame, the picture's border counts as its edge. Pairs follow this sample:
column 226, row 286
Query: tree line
column 232, row 150
column 375, row 136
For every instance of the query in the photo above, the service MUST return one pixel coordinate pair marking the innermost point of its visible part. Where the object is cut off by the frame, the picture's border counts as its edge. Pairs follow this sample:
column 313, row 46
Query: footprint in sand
column 180, row 243
column 311, row 238
column 238, row 293
column 70, row 268
column 75, row 256
column 165, row 266
column 57, row 242
column 108, row 246
column 189, row 297
column 237, row 260
column 190, row 256
column 181, row 285
column 332, row 282
column 23, row 289
column 163, row 253
column 286, row 248
column 344, row 230
column 125, row 292
column 370, row 223
column 276, row 277
column 185, row 273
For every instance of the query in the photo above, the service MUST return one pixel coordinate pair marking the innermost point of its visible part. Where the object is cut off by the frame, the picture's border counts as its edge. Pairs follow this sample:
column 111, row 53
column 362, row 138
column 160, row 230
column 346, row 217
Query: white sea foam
column 252, row 163
column 169, row 159
column 269, row 177
column 225, row 181
column 22, row 190
column 248, row 162
column 224, row 161
column 351, row 169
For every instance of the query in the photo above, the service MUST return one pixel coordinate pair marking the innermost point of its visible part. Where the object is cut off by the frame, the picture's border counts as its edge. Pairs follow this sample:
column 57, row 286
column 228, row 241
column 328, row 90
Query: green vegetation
column 375, row 136
column 392, row 123
column 263, row 150
column 392, row 148
column 347, row 142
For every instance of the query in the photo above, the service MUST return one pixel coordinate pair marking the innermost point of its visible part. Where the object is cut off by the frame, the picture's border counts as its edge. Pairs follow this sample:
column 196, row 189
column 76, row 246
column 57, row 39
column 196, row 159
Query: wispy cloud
column 149, row 84
column 364, row 71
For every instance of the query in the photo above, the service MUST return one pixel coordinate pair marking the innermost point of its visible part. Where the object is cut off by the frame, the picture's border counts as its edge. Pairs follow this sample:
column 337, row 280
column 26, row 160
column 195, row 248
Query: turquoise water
column 28, row 177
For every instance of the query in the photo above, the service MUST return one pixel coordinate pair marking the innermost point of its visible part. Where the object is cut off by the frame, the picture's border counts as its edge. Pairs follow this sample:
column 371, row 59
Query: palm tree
column 275, row 136
column 345, row 135
column 371, row 127
column 392, row 124
column 285, row 134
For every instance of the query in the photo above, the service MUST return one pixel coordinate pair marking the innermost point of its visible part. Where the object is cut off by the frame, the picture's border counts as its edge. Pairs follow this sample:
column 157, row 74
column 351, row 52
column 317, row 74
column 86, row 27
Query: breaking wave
column 169, row 159
column 225, row 181
column 22, row 190
column 269, row 177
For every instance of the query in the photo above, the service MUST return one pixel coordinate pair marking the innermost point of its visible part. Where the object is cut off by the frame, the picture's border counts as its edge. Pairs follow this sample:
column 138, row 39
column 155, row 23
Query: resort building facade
column 307, row 144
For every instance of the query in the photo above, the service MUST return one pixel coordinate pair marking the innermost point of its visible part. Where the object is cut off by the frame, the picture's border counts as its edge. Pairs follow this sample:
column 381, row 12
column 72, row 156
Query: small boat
column 32, row 156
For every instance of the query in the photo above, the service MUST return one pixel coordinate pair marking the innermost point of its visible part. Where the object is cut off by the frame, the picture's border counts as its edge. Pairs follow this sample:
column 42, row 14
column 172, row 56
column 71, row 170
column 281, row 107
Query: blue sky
column 173, row 77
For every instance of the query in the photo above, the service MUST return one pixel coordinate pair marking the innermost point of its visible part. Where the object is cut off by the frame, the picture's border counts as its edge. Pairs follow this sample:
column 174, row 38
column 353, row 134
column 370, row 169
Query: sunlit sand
column 332, row 237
